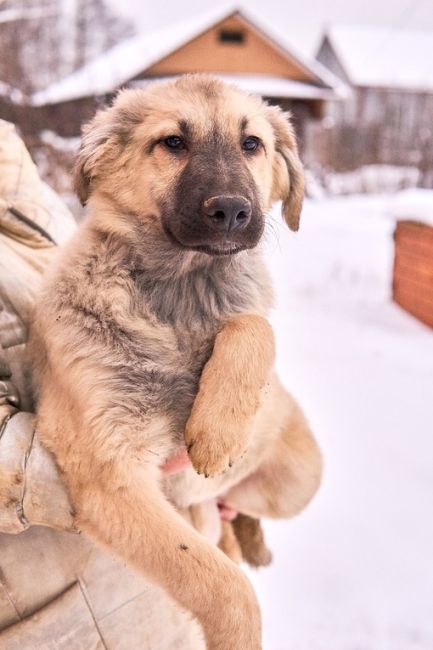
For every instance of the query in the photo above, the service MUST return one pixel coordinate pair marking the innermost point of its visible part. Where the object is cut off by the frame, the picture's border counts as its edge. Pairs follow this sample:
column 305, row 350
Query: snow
column 64, row 145
column 415, row 205
column 132, row 56
column 355, row 570
column 385, row 56
column 369, row 179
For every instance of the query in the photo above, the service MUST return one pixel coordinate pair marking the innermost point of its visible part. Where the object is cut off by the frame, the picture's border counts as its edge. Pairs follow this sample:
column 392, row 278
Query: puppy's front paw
column 214, row 447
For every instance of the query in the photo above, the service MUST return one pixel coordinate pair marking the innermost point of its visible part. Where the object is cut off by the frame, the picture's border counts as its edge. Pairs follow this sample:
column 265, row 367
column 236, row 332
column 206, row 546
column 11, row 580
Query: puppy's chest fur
column 194, row 305
column 155, row 328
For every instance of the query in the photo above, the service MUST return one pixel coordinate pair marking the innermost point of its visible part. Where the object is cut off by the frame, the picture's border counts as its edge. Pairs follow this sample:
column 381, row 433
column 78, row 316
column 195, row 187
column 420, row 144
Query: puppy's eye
column 174, row 143
column 251, row 144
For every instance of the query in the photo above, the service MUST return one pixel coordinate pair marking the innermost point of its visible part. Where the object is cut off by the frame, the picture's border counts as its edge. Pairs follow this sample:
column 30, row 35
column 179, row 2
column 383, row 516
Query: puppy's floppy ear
column 288, row 175
column 96, row 144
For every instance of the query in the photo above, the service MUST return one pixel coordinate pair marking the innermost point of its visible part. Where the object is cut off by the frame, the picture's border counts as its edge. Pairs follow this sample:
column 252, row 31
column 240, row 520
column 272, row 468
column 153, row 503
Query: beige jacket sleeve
column 31, row 491
column 32, row 219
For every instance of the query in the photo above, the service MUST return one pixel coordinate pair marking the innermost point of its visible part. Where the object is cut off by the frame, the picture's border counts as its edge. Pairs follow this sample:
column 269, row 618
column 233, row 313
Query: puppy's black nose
column 227, row 213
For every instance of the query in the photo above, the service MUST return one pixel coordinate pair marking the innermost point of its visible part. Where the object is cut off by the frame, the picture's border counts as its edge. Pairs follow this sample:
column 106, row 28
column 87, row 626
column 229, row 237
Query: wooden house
column 230, row 44
column 388, row 116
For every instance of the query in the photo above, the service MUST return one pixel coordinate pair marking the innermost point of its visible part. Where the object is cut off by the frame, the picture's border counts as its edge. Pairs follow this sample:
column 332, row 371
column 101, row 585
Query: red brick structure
column 413, row 269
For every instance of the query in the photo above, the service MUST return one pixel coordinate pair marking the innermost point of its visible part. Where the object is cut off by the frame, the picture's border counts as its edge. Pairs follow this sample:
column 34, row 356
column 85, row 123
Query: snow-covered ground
column 355, row 570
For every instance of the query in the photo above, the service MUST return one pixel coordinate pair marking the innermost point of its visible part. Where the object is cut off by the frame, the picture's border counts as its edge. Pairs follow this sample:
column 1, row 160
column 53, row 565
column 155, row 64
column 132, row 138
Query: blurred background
column 354, row 309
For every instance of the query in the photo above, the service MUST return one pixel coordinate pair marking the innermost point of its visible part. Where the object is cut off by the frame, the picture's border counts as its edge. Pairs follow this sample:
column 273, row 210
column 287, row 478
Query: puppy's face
column 195, row 160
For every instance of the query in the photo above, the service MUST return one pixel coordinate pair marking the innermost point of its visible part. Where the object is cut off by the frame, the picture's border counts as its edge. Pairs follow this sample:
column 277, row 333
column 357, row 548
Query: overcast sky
column 299, row 21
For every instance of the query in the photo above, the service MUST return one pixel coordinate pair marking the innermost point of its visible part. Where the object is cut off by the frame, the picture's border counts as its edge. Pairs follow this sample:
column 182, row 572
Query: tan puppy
column 151, row 332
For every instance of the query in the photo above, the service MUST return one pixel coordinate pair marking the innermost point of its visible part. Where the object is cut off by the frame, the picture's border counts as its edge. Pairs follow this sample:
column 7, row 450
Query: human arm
column 31, row 490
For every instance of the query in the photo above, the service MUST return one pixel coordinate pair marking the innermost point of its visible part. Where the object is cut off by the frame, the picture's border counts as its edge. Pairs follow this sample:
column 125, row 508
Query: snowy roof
column 385, row 57
column 126, row 60
column 261, row 84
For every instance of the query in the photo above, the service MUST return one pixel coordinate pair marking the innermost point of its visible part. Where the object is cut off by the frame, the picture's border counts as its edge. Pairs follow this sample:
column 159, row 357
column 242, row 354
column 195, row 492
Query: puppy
column 151, row 333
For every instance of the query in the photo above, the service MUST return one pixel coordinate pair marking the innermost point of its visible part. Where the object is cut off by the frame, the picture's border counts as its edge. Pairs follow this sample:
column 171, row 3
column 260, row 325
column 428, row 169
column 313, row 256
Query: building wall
column 302, row 112
column 65, row 118
column 376, row 126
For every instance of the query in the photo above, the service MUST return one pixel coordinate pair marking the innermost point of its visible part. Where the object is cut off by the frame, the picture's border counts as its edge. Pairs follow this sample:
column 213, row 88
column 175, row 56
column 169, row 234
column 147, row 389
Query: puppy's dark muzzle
column 227, row 214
